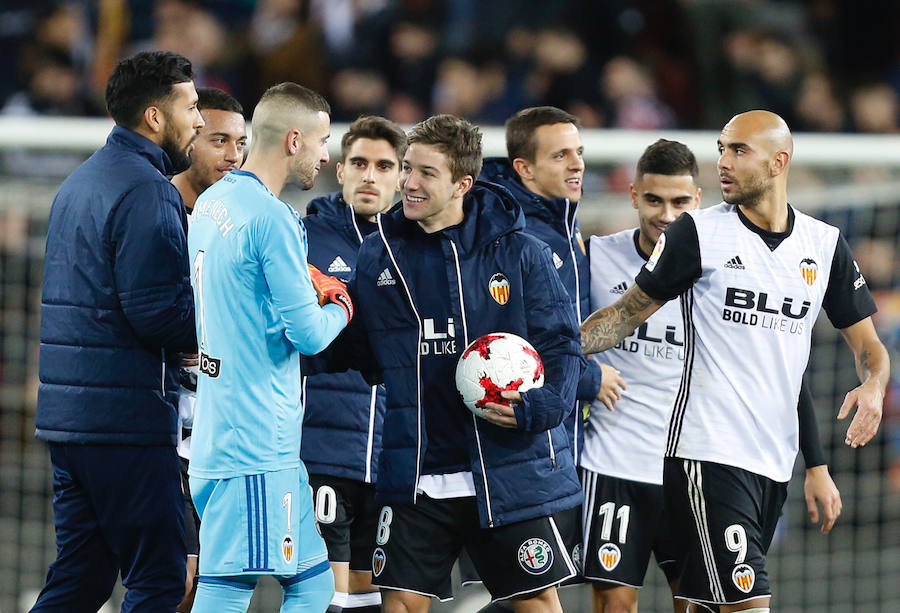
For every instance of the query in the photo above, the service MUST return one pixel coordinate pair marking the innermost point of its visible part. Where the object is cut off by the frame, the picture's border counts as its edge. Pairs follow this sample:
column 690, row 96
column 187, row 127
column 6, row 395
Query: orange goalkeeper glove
column 329, row 289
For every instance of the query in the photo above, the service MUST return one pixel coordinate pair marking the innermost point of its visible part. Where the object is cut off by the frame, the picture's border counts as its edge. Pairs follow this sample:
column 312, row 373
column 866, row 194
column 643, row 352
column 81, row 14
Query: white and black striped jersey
column 628, row 443
column 749, row 300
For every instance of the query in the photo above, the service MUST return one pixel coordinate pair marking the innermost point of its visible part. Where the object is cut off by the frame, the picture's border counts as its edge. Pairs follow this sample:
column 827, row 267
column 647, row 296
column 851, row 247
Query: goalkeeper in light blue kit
column 257, row 310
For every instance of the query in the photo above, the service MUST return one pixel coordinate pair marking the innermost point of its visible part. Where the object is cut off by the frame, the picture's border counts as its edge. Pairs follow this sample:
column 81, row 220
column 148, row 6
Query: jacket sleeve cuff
column 539, row 410
column 590, row 381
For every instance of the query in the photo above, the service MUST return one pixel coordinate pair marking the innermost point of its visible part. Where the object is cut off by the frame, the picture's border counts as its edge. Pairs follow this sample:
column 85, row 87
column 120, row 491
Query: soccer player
column 450, row 479
column 257, row 309
column 752, row 274
column 544, row 170
column 340, row 447
column 116, row 311
column 218, row 149
column 622, row 461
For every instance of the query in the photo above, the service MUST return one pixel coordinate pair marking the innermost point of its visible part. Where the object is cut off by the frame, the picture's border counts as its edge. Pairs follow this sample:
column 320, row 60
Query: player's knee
column 308, row 594
column 398, row 601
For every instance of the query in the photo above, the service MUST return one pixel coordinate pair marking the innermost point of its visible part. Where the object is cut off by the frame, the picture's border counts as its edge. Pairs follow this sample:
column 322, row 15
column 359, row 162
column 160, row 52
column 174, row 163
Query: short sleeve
column 674, row 265
column 847, row 298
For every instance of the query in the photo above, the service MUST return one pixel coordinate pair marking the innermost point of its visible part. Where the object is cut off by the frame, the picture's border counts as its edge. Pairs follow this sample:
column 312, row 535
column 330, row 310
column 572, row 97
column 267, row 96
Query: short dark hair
column 214, row 99
column 142, row 80
column 456, row 138
column 311, row 100
column 667, row 157
column 375, row 128
column 520, row 129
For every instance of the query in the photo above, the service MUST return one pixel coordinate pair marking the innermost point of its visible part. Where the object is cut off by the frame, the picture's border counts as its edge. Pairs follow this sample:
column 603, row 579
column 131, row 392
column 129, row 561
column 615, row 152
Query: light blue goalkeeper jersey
column 256, row 312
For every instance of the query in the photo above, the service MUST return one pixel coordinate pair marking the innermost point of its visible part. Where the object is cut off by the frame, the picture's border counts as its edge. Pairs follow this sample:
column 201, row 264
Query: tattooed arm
column 874, row 369
column 607, row 326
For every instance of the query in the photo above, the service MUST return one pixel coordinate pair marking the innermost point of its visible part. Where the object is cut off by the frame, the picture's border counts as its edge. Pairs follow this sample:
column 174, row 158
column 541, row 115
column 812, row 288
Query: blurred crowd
column 824, row 65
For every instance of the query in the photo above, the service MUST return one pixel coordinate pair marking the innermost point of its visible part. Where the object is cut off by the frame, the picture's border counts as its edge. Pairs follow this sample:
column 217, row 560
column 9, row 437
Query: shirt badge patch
column 657, row 251
column 535, row 556
column 499, row 288
column 808, row 270
column 609, row 555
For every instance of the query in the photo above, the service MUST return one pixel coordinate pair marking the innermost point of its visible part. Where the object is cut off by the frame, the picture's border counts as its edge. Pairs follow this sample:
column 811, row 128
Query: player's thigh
column 257, row 524
column 416, row 544
column 521, row 558
column 622, row 521
column 364, row 529
column 728, row 514
column 332, row 500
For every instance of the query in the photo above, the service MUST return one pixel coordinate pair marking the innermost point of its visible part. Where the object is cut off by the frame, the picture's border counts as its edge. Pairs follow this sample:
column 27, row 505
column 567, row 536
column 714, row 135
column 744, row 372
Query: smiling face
column 369, row 175
column 313, row 153
column 430, row 195
column 558, row 167
column 660, row 200
column 218, row 149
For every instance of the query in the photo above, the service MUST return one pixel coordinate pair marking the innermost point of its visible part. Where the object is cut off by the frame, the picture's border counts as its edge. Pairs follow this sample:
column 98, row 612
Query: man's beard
column 180, row 158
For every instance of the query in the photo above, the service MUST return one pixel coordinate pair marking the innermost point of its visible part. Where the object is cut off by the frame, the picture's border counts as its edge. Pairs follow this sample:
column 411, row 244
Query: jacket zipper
column 570, row 231
column 418, row 358
column 162, row 381
column 462, row 308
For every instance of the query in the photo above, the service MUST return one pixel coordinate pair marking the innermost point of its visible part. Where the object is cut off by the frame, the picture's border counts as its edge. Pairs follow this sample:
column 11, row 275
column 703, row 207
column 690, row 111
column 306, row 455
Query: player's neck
column 272, row 173
column 769, row 214
column 188, row 192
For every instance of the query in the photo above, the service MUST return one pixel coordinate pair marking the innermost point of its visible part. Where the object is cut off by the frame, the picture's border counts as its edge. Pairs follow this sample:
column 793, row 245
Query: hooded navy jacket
column 343, row 414
column 117, row 306
column 553, row 221
column 518, row 473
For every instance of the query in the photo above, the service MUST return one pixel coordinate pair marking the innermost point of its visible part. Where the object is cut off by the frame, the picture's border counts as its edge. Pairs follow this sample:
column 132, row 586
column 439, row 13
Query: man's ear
column 463, row 186
column 293, row 142
column 339, row 169
column 523, row 168
column 153, row 119
column 780, row 163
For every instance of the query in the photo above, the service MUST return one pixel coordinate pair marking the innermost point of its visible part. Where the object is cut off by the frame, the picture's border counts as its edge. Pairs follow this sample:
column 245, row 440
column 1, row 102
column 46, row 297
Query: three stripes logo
column 386, row 278
column 809, row 269
column 557, row 261
column 619, row 289
column 609, row 555
column 743, row 577
column 735, row 263
column 499, row 288
column 338, row 265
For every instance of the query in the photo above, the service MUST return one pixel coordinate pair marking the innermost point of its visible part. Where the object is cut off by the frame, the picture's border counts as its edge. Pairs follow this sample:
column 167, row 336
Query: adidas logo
column 557, row 261
column 735, row 263
column 338, row 265
column 619, row 289
column 385, row 278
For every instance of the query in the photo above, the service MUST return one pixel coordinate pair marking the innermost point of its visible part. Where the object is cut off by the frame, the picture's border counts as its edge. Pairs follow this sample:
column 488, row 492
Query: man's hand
column 868, row 398
column 329, row 289
column 501, row 415
column 611, row 387
column 820, row 489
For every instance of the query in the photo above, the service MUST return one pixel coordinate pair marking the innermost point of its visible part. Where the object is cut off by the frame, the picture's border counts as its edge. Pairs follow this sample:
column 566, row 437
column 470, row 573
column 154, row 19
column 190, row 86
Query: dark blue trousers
column 117, row 509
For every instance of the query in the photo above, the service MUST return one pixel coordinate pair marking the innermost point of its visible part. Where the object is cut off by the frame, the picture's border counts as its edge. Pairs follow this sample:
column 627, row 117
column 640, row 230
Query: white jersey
column 628, row 443
column 749, row 300
column 186, row 399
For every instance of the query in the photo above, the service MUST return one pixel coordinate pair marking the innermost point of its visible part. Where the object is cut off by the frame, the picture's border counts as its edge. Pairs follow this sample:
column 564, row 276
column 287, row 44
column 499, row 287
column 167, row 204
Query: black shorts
column 191, row 519
column 568, row 523
column 723, row 521
column 624, row 523
column 417, row 544
column 347, row 515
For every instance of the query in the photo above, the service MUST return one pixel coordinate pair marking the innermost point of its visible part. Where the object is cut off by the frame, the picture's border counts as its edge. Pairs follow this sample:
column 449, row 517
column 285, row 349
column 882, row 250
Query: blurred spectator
column 563, row 77
column 53, row 86
column 817, row 108
column 412, row 63
column 284, row 45
column 631, row 98
column 874, row 108
column 356, row 92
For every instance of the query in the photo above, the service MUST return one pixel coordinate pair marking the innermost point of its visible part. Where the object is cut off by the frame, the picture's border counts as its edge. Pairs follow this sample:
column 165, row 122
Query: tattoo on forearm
column 606, row 327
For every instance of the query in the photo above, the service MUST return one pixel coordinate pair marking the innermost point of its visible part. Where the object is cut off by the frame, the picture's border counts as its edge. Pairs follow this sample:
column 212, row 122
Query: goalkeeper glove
column 328, row 289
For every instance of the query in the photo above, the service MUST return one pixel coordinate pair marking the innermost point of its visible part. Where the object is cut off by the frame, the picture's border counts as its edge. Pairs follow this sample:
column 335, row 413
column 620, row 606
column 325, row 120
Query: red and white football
column 495, row 363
